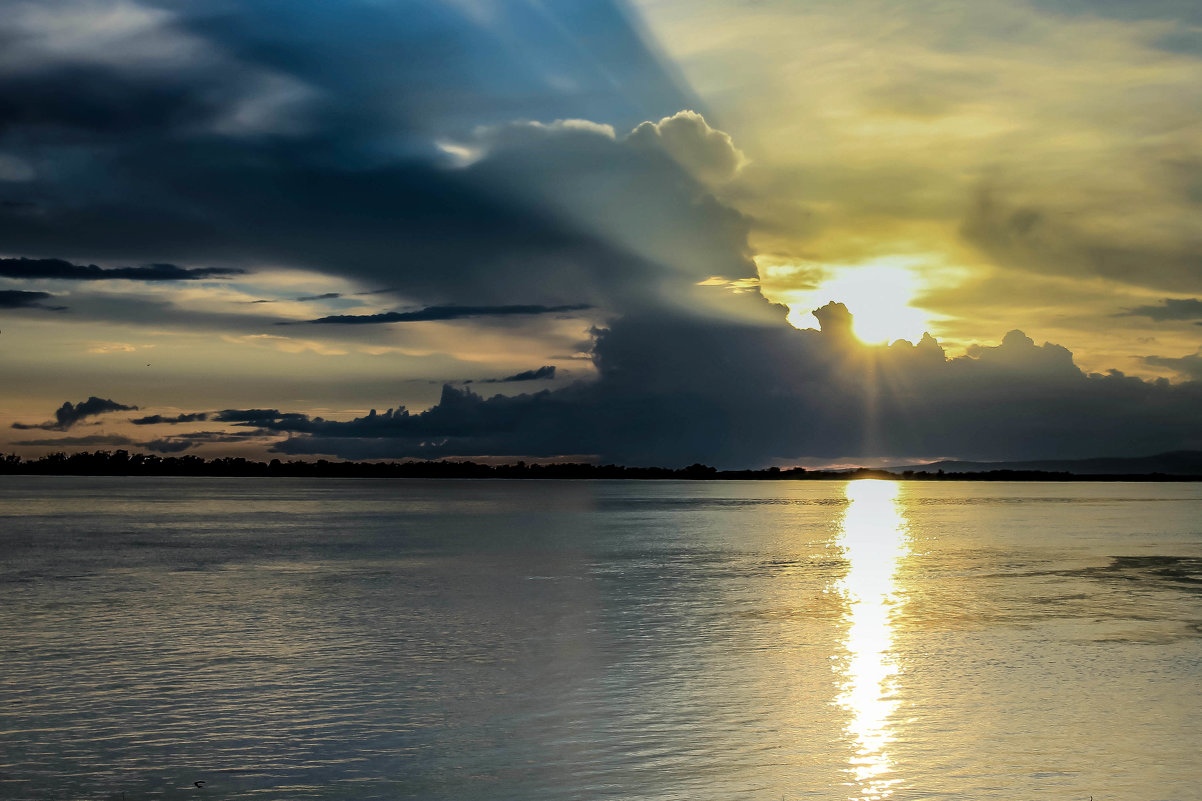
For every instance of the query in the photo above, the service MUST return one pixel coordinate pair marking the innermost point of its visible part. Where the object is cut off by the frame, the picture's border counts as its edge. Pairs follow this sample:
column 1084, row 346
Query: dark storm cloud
column 447, row 313
column 158, row 419
column 1169, row 309
column 461, row 239
column 546, row 372
column 325, row 296
column 59, row 269
column 238, row 135
column 20, row 299
column 92, row 100
column 674, row 390
column 69, row 414
column 428, row 66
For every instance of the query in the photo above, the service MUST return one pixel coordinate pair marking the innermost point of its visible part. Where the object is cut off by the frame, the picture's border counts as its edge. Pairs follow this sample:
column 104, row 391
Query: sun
column 878, row 294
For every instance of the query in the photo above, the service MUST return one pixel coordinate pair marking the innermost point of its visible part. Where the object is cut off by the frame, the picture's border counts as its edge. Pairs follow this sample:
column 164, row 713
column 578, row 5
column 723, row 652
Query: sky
column 654, row 232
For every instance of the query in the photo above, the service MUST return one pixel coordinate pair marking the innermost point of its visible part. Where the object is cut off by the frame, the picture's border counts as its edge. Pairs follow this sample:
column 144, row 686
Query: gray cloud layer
column 224, row 136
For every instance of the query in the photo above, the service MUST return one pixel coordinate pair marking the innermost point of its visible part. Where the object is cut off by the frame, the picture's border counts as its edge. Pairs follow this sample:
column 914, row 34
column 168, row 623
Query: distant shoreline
column 122, row 463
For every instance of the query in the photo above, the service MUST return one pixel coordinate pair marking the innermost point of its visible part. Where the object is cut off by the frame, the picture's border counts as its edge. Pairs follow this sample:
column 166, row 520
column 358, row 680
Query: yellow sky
column 1028, row 169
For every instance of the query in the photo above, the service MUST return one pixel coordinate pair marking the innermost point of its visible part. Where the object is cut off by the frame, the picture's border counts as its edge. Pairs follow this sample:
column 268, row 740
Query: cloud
column 664, row 226
column 168, row 445
column 448, row 313
column 1033, row 228
column 486, row 171
column 546, row 372
column 231, row 141
column 172, row 444
column 285, row 344
column 158, row 419
column 198, row 313
column 182, row 442
column 112, row 347
column 90, row 440
column 63, row 270
column 1169, row 309
column 256, row 416
column 69, row 414
column 21, row 299
column 705, row 152
column 675, row 390
column 987, row 147
column 1189, row 367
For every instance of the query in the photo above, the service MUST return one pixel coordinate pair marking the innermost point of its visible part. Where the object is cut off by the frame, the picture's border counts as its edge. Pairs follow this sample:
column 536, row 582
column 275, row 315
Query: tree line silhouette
column 123, row 463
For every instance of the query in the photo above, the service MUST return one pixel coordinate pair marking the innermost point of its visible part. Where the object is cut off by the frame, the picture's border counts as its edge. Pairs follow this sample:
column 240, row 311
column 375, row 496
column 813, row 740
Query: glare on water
column 627, row 641
column 874, row 541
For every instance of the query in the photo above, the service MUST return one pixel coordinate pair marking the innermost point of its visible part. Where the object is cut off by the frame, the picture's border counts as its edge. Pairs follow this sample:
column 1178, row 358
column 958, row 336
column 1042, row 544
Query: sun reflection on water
column 874, row 541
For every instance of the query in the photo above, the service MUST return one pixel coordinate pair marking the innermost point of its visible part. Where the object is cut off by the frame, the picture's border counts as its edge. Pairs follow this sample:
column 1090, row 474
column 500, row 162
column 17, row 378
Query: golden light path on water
column 874, row 540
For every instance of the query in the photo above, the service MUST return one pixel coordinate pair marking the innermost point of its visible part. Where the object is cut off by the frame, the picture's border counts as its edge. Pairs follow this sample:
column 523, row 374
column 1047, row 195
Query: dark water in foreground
column 472, row 641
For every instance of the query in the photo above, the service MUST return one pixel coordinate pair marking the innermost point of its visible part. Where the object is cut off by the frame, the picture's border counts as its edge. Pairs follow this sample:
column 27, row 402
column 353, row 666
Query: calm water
column 295, row 639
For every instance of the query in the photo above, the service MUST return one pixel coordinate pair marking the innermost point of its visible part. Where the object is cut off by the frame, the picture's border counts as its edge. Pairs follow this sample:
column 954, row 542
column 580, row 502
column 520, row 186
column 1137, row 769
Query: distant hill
column 1174, row 463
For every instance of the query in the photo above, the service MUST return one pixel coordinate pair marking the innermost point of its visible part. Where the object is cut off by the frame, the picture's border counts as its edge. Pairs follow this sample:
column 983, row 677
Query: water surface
column 473, row 640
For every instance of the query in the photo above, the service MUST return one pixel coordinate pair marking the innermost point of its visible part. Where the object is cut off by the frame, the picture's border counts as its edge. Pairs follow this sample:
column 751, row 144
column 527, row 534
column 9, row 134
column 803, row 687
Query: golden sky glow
column 880, row 294
column 979, row 136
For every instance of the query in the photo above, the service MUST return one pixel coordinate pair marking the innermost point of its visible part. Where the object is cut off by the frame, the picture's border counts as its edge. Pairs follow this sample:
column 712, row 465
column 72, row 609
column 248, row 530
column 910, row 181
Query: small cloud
column 431, row 313
column 168, row 445
column 69, row 414
column 542, row 373
column 285, row 344
column 1189, row 367
column 158, row 419
column 20, row 299
column 460, row 155
column 89, row 440
column 115, row 347
column 182, row 442
column 256, row 416
column 1169, row 309
column 381, row 350
column 64, row 270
